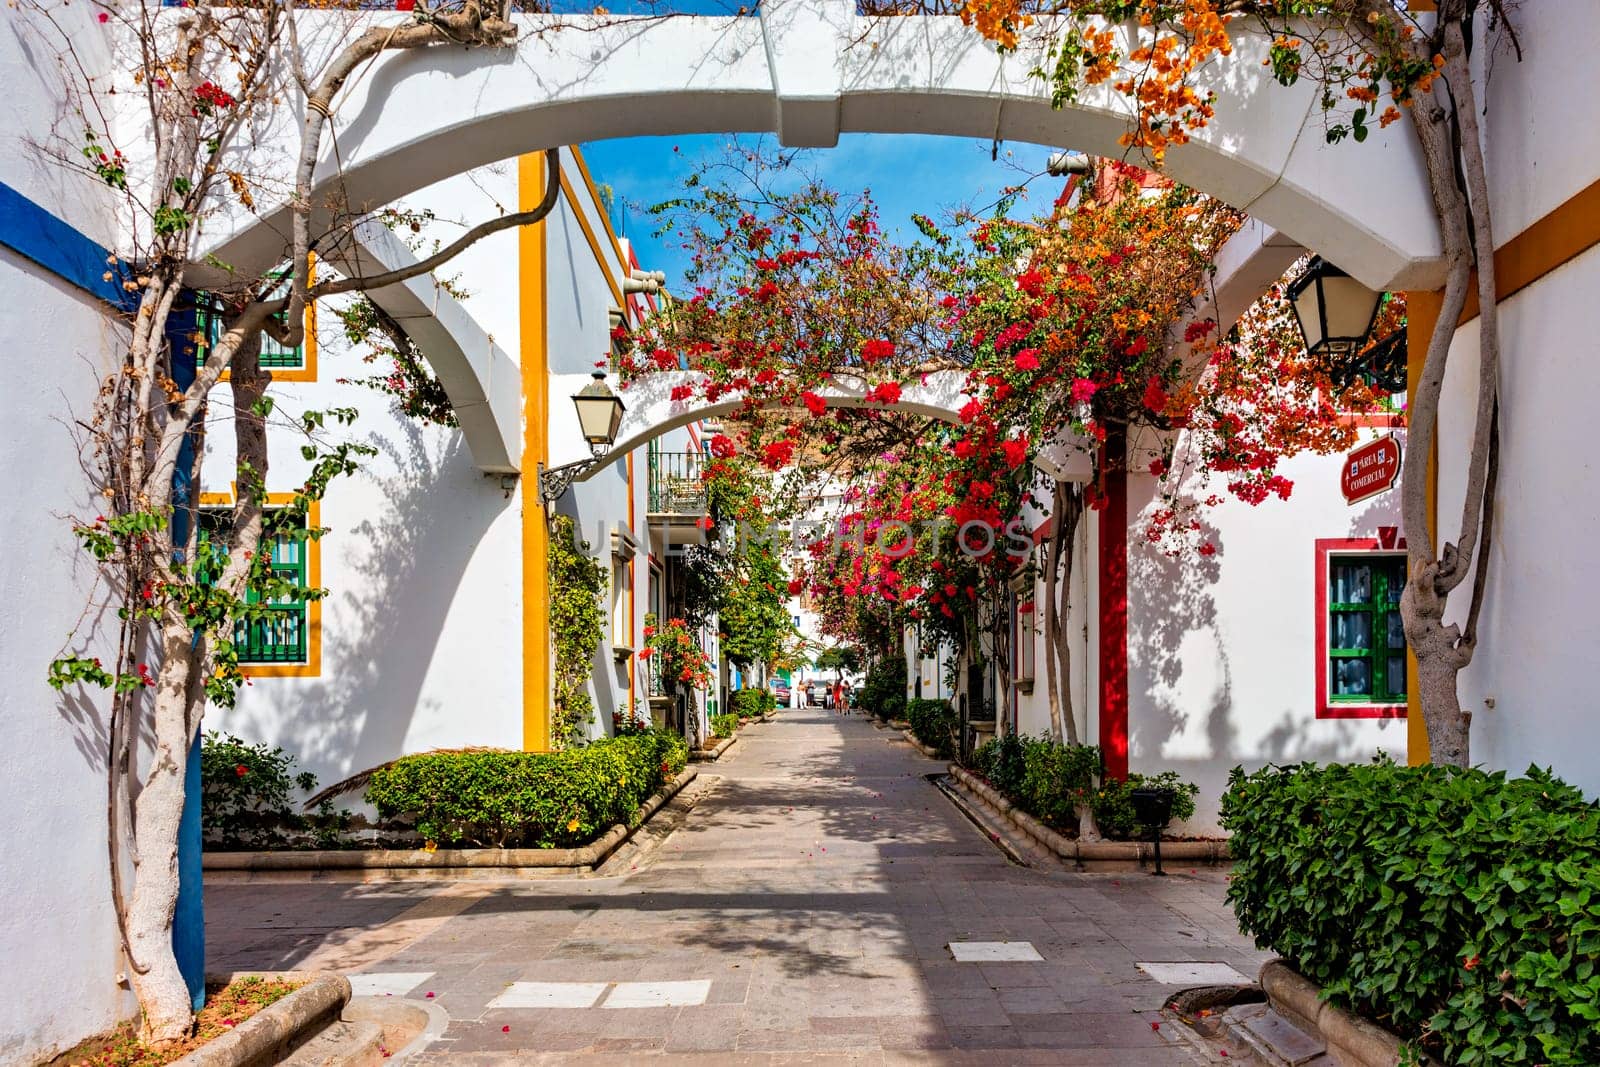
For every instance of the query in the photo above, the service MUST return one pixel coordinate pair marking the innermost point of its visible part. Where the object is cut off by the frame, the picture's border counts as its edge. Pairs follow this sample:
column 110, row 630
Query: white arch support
column 811, row 69
column 651, row 411
column 482, row 381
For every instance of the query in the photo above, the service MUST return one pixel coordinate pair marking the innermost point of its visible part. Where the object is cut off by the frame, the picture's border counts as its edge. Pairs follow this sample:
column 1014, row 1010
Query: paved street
column 803, row 911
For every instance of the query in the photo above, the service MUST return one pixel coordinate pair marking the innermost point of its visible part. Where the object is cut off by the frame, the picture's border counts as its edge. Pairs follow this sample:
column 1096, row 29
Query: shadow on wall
column 1191, row 625
column 391, row 585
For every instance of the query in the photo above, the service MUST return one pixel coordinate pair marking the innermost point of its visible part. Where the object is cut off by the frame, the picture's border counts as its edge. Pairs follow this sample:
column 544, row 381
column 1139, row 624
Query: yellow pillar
column 1422, row 313
column 536, row 649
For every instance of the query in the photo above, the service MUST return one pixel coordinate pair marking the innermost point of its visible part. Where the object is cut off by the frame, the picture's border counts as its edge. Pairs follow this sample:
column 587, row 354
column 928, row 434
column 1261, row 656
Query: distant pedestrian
column 838, row 697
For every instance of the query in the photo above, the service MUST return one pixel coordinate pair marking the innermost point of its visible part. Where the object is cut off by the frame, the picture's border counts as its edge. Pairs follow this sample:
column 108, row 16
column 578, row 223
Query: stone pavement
column 803, row 911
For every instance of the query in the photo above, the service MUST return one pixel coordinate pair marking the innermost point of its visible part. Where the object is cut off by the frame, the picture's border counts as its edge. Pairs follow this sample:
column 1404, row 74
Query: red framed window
column 1361, row 647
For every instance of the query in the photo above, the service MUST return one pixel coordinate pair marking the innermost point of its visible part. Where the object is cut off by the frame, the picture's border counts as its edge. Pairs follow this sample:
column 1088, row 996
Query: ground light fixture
column 1334, row 311
column 599, row 418
column 1152, row 808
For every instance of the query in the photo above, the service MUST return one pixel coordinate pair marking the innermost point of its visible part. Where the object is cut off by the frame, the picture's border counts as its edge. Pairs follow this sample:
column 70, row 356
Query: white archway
column 809, row 70
column 651, row 411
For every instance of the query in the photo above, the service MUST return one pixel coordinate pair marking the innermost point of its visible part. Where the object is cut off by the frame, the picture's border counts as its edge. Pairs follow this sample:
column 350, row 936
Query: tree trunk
column 1061, row 639
column 163, row 994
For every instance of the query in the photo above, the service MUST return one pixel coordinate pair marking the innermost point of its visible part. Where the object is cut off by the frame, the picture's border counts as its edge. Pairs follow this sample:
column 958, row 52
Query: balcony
column 679, row 513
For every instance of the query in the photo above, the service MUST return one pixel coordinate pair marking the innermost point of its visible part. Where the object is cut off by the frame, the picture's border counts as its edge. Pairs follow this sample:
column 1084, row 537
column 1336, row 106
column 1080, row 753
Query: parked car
column 780, row 692
column 818, row 697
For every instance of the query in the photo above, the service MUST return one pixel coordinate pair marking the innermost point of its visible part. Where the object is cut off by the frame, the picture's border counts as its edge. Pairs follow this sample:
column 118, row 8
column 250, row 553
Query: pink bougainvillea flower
column 1027, row 359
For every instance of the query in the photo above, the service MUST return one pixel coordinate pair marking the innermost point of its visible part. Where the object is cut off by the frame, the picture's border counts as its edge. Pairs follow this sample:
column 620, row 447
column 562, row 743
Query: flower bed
column 1051, row 781
column 226, row 1007
column 1456, row 907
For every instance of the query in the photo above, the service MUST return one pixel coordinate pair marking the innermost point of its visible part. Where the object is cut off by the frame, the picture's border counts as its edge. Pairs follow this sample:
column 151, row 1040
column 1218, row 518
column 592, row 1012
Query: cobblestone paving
column 802, row 912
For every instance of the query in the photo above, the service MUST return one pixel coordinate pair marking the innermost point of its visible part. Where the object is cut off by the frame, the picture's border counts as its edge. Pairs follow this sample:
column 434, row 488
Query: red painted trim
column 1114, row 608
column 1382, row 420
column 1325, row 708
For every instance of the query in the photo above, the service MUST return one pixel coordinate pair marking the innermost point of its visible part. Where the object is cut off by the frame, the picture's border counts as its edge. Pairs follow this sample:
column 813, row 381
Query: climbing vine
column 577, row 583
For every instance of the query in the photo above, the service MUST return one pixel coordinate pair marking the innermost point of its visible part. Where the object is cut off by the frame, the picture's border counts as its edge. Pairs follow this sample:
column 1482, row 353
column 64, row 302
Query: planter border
column 916, row 743
column 1083, row 852
column 714, row 753
column 1353, row 1040
column 278, row 1028
column 559, row 860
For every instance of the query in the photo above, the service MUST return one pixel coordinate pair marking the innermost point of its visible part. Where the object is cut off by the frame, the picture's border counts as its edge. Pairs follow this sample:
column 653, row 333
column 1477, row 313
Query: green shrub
column 1458, row 907
column 1113, row 802
column 935, row 724
column 883, row 693
column 1055, row 779
column 751, row 703
column 245, row 796
column 499, row 799
column 724, row 725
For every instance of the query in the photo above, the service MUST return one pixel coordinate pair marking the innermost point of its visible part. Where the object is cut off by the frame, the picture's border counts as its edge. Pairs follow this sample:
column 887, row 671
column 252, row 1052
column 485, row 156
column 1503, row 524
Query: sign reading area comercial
column 1370, row 469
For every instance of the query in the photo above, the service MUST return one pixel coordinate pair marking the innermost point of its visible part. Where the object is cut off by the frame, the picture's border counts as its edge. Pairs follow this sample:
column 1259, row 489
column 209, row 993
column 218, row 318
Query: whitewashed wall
column 1530, row 686
column 1222, row 662
column 58, row 933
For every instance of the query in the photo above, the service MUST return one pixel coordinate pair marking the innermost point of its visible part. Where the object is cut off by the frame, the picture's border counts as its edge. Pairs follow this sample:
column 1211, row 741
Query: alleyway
column 805, row 905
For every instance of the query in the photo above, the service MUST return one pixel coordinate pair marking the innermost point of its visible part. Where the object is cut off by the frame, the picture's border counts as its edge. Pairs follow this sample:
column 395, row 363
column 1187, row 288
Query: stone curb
column 1082, row 852
column 268, row 1035
column 714, row 753
column 916, row 743
column 565, row 860
column 899, row 724
column 1354, row 1041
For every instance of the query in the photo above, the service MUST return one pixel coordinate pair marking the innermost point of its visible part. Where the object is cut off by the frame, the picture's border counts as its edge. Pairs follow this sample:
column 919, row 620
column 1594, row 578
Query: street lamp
column 599, row 418
column 1335, row 312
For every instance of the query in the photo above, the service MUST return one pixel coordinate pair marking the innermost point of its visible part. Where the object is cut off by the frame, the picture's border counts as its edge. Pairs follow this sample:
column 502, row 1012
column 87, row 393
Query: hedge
column 501, row 799
column 1049, row 780
column 724, row 725
column 1457, row 907
column 935, row 724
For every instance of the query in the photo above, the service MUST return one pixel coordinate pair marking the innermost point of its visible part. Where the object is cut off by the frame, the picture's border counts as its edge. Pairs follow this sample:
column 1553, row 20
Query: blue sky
column 905, row 173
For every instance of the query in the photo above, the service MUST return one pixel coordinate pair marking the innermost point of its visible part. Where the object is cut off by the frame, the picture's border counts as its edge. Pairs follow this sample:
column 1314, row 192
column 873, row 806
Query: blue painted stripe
column 35, row 234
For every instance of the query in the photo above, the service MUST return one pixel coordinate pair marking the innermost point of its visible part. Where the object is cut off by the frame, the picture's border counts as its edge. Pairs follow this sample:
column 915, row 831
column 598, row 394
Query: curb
column 1085, row 852
column 276, row 1030
column 445, row 860
column 917, row 744
column 714, row 753
column 1354, row 1041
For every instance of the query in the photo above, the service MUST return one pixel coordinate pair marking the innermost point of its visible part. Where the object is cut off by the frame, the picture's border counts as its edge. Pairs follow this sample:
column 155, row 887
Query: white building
column 436, row 628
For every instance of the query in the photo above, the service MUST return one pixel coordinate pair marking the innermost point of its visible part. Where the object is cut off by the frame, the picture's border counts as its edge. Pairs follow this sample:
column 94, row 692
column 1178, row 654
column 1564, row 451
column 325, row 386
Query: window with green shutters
column 1366, row 641
column 279, row 634
column 274, row 356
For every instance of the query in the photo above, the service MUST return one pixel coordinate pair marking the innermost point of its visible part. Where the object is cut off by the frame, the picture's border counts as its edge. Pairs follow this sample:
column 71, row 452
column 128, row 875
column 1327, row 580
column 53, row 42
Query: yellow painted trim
column 594, row 195
column 307, row 371
column 1422, row 313
column 312, row 667
column 1567, row 232
column 594, row 242
column 533, row 328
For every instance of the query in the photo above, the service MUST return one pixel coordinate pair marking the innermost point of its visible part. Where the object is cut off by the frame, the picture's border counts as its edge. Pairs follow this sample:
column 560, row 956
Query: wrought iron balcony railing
column 677, row 486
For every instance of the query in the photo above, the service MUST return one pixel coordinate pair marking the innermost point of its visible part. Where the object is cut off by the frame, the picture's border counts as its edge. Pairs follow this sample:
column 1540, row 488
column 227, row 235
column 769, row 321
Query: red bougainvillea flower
column 722, row 447
column 777, row 454
column 1027, row 359
column 682, row 392
column 814, row 403
column 1158, row 466
column 885, row 393
column 1016, row 452
column 1155, row 397
column 873, row 351
column 1083, row 390
column 240, row 770
column 795, row 585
